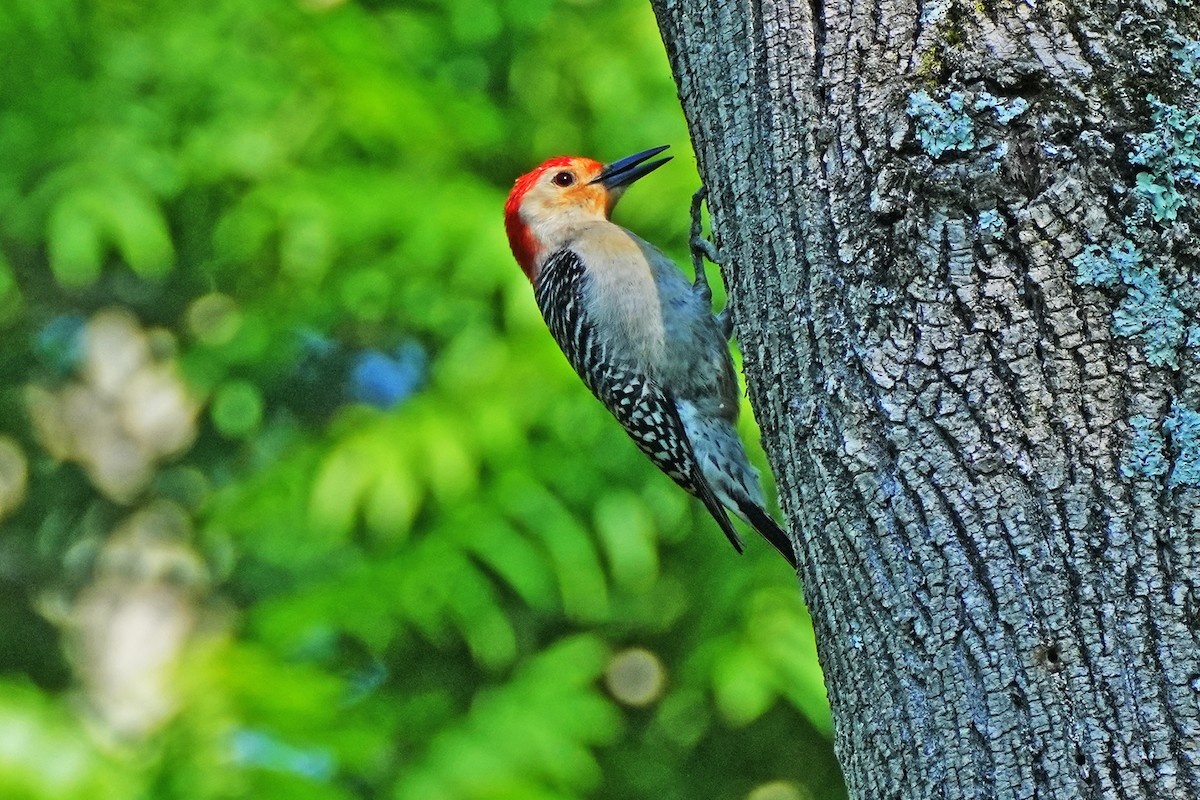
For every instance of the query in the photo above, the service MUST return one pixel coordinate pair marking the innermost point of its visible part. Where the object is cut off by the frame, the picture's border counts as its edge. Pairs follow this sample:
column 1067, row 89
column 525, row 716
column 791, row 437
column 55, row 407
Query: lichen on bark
column 962, row 244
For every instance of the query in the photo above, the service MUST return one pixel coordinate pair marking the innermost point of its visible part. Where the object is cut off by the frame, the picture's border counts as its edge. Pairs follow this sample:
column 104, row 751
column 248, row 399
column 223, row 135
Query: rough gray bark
column 969, row 329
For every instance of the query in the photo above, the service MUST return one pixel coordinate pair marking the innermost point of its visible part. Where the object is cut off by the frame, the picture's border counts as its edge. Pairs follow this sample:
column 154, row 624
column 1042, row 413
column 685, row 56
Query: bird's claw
column 701, row 248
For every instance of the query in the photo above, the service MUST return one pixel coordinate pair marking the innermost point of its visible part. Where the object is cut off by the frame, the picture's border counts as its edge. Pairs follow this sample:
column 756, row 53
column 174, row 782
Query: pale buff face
column 552, row 202
column 566, row 192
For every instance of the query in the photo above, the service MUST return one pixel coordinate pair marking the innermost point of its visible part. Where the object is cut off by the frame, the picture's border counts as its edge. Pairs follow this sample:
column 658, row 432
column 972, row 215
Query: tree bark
column 960, row 241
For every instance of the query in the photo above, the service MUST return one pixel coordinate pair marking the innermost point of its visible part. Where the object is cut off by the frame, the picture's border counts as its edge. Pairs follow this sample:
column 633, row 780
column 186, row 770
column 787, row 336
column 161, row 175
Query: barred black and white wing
column 647, row 413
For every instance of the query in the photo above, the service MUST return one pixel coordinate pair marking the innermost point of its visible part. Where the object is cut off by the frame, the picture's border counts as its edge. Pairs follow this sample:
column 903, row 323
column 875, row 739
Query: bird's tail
column 701, row 489
column 766, row 525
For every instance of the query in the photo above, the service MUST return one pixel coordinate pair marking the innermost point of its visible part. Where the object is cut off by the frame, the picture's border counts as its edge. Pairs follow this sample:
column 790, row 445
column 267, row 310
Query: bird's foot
column 701, row 248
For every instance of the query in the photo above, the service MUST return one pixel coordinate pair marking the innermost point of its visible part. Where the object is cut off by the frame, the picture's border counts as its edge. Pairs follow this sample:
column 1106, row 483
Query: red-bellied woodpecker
column 642, row 337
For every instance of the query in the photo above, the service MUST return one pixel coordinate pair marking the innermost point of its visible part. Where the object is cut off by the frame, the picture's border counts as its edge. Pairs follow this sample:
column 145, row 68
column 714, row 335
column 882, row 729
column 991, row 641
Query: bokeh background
column 297, row 497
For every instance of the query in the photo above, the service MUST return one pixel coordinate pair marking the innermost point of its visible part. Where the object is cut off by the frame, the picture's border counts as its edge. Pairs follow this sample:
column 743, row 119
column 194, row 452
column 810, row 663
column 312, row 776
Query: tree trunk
column 960, row 241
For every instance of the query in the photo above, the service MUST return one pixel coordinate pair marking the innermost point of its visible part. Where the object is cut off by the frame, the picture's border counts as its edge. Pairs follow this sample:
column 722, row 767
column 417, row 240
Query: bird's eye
column 563, row 179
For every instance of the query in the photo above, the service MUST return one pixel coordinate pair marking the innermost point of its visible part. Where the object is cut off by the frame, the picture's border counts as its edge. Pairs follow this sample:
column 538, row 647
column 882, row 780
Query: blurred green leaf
column 43, row 753
column 340, row 487
column 75, row 243
column 412, row 599
column 627, row 533
column 393, row 501
column 237, row 409
column 742, row 685
column 514, row 559
column 138, row 229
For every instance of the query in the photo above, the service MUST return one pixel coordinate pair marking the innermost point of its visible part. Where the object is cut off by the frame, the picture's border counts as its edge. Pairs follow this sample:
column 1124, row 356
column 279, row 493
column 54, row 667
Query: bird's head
column 549, row 203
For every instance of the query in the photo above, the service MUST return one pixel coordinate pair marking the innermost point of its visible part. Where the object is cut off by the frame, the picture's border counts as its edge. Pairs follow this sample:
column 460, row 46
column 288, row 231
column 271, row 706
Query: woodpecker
column 642, row 337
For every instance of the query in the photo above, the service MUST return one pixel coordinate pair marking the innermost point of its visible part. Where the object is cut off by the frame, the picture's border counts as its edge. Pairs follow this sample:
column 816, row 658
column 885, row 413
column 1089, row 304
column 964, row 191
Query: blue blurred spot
column 259, row 749
column 315, row 387
column 316, row 344
column 328, row 373
column 365, row 681
column 316, row 353
column 59, row 344
column 383, row 380
column 318, row 643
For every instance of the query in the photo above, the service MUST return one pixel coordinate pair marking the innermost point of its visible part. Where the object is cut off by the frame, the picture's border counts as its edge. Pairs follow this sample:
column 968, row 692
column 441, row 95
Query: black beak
column 629, row 169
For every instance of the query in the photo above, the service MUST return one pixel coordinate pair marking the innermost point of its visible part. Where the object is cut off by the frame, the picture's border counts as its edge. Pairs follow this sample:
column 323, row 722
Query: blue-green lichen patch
column 1170, row 151
column 1183, row 424
column 991, row 225
column 1097, row 267
column 1149, row 312
column 1006, row 110
column 949, row 125
column 1145, row 455
column 935, row 12
column 941, row 126
column 1188, row 55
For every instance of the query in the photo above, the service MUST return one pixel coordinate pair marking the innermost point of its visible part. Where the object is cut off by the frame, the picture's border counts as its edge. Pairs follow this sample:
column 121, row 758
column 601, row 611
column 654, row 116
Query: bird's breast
column 645, row 315
column 622, row 297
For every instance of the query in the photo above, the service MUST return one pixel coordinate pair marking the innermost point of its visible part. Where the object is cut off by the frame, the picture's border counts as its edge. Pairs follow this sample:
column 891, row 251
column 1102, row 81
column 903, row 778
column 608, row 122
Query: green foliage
column 43, row 755
column 389, row 543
